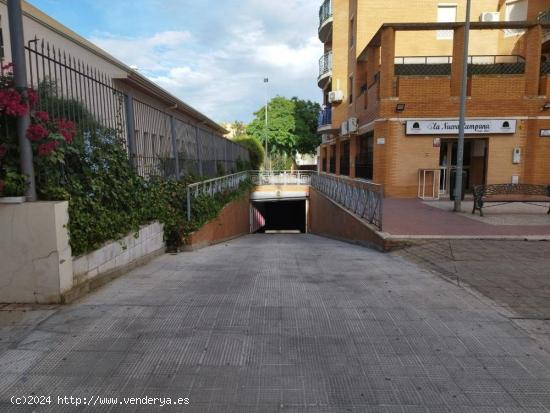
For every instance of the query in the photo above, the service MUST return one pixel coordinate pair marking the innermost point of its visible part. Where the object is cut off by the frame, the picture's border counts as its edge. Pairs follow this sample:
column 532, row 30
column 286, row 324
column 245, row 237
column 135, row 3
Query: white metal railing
column 281, row 177
column 214, row 186
column 325, row 64
column 360, row 197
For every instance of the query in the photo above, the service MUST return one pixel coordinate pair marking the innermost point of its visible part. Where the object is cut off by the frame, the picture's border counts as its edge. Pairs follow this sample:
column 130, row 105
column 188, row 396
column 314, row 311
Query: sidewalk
column 417, row 218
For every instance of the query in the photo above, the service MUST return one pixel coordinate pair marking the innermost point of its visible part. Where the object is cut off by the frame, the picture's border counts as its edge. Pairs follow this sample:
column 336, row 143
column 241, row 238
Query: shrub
column 255, row 150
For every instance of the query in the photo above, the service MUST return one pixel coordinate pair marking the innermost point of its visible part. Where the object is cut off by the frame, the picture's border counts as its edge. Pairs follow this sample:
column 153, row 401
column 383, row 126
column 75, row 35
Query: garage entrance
column 282, row 216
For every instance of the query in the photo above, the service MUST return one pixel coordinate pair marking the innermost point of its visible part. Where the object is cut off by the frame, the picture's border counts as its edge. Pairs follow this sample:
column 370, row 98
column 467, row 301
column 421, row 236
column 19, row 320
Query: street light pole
column 462, row 118
column 17, row 42
column 266, row 81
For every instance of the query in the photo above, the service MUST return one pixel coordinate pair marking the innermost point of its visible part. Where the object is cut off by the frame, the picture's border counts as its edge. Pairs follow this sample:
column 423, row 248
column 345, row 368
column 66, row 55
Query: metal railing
column 325, row 64
column 158, row 143
column 364, row 199
column 441, row 65
column 325, row 12
column 544, row 17
column 325, row 116
column 214, row 186
column 281, row 177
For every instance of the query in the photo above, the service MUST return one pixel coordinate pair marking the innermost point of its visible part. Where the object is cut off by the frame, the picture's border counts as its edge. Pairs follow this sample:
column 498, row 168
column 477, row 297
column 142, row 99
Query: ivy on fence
column 87, row 165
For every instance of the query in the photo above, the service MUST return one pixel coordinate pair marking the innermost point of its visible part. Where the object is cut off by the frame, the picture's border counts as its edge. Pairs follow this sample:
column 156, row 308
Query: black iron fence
column 158, row 143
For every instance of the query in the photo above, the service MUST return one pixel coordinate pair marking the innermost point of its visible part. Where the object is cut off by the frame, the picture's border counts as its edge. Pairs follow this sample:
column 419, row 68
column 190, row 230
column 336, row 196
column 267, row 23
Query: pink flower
column 45, row 149
column 3, row 150
column 66, row 128
column 43, row 116
column 37, row 132
column 32, row 97
column 9, row 66
column 11, row 103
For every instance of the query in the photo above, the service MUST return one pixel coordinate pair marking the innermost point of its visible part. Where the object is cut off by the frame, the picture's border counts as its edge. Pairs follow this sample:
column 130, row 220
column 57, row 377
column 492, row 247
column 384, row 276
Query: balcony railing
column 441, row 65
column 544, row 18
column 325, row 12
column 325, row 64
column 325, row 116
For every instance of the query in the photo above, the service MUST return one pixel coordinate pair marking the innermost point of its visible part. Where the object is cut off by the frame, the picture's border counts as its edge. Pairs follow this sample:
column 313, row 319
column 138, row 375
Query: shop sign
column 545, row 133
column 450, row 127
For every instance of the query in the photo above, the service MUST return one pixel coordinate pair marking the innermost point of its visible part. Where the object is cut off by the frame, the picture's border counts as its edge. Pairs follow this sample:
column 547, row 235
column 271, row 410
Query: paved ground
column 268, row 323
column 415, row 217
column 515, row 275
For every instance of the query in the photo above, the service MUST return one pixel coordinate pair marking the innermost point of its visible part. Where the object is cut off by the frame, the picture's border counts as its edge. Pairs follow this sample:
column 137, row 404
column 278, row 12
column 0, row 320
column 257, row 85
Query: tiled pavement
column 414, row 217
column 269, row 323
column 515, row 275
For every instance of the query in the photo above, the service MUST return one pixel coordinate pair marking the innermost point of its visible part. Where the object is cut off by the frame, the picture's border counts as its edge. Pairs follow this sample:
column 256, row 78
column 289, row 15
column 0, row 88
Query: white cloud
column 222, row 75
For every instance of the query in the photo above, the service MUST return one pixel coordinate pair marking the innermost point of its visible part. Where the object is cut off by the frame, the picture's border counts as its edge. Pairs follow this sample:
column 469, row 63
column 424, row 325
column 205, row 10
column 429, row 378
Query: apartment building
column 391, row 77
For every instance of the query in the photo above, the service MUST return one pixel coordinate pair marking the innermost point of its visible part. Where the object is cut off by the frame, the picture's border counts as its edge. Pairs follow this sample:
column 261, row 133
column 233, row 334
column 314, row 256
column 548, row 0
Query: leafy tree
column 292, row 126
column 239, row 128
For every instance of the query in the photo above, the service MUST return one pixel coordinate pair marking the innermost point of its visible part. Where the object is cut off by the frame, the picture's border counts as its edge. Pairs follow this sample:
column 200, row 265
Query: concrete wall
column 35, row 256
column 233, row 221
column 36, row 263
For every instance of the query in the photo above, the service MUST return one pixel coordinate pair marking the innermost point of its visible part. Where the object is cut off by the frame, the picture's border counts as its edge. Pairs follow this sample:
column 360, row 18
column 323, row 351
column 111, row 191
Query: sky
column 212, row 54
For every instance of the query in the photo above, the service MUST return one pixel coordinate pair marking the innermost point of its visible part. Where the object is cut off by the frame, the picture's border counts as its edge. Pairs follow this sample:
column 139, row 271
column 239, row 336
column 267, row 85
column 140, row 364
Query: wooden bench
column 508, row 193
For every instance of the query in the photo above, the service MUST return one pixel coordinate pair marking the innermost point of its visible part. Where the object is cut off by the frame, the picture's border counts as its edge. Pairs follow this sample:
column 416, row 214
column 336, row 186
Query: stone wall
column 114, row 258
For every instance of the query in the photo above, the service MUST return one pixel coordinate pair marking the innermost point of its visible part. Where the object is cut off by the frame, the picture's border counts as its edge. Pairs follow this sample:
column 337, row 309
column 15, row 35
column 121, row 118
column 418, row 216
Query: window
column 516, row 10
column 446, row 13
column 350, row 88
column 351, row 33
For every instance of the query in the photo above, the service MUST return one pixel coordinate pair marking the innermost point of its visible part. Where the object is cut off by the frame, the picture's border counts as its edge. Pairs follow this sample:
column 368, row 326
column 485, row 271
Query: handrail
column 281, row 177
column 365, row 199
column 214, row 186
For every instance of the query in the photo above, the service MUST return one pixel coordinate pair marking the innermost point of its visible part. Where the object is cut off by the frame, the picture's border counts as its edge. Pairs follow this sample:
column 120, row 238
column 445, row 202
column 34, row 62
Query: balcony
column 325, row 21
column 325, row 70
column 324, row 121
column 544, row 18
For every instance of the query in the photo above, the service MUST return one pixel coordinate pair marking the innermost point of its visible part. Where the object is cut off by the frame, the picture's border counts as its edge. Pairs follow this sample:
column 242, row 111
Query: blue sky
column 213, row 54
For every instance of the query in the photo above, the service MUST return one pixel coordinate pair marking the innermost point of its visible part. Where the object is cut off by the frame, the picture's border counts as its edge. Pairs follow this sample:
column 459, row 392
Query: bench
column 508, row 193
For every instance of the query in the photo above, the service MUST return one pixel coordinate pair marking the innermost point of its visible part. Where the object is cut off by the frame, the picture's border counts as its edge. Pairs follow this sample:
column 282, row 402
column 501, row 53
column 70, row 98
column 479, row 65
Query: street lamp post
column 462, row 118
column 266, row 81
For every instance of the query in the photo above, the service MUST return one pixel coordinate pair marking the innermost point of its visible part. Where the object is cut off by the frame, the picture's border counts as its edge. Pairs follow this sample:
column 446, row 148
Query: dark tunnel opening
column 282, row 216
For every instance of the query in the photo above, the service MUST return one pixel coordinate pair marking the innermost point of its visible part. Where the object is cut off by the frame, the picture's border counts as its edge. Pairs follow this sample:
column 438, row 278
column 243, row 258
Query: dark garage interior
column 283, row 215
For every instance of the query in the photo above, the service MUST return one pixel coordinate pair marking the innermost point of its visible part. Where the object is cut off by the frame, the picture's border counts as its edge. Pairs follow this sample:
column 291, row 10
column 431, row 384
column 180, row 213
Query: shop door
column 447, row 163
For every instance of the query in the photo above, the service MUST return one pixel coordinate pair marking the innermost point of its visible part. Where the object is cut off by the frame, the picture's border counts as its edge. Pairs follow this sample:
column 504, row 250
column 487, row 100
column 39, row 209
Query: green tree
column 292, row 126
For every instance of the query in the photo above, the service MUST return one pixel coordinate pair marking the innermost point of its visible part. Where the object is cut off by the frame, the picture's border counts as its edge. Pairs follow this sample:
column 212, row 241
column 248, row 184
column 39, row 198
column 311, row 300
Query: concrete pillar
column 338, row 155
column 353, row 149
column 458, row 57
column 387, row 71
column 533, row 41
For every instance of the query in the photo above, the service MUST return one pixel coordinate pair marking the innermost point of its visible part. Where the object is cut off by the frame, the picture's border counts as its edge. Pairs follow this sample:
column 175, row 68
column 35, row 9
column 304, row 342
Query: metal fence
column 158, row 143
column 364, row 199
column 214, row 186
column 281, row 177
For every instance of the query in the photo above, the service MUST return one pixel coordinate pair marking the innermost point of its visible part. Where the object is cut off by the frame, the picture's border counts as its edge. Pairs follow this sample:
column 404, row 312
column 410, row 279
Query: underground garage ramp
column 282, row 215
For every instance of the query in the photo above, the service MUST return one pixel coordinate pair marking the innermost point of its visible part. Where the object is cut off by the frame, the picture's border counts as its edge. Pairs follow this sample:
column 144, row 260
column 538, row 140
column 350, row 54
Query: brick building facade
column 392, row 92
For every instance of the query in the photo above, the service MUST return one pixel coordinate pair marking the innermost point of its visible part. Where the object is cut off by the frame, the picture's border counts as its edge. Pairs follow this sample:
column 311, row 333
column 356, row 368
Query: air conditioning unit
column 352, row 125
column 489, row 16
column 335, row 96
column 344, row 128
